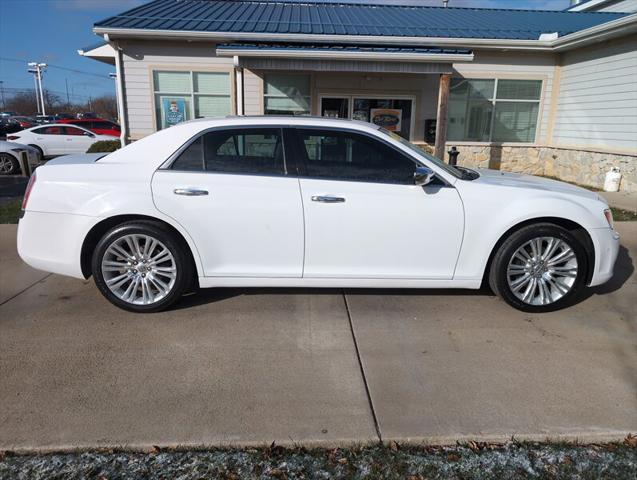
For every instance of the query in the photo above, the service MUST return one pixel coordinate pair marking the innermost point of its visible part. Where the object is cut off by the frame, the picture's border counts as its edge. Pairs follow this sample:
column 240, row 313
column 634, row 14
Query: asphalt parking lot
column 252, row 366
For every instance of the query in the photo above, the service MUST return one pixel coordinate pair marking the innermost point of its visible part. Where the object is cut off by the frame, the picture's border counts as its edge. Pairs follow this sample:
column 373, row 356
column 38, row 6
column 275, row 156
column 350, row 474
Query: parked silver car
column 10, row 155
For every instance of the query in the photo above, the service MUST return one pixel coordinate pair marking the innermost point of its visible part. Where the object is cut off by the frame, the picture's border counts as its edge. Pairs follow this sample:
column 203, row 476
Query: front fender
column 487, row 222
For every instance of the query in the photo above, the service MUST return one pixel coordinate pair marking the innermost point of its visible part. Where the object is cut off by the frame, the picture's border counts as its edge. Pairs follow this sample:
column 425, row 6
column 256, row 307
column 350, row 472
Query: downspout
column 123, row 121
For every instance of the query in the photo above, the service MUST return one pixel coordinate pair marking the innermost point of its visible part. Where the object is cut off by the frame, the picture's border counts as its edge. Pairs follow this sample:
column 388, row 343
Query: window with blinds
column 286, row 94
column 181, row 96
column 493, row 110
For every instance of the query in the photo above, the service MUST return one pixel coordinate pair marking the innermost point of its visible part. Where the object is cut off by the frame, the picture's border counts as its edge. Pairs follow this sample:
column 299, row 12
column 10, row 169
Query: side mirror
column 87, row 134
column 423, row 176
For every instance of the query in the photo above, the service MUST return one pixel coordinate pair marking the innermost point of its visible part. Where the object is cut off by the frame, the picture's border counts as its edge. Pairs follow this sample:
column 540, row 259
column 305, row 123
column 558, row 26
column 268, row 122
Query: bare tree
column 24, row 103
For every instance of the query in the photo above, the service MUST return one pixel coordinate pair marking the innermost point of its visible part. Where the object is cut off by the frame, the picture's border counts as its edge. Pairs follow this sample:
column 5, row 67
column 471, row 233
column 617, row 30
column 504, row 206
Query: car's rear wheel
column 8, row 164
column 141, row 266
column 539, row 268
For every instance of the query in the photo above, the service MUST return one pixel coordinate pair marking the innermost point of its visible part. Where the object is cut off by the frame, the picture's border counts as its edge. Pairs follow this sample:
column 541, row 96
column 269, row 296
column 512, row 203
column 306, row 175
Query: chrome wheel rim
column 6, row 164
column 542, row 271
column 139, row 269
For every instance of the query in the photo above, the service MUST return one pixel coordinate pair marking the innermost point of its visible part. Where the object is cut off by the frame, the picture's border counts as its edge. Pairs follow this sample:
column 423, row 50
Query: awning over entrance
column 344, row 58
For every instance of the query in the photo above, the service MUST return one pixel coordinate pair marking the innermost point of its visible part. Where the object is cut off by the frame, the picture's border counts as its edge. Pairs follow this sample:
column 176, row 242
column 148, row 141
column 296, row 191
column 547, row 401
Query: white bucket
column 611, row 182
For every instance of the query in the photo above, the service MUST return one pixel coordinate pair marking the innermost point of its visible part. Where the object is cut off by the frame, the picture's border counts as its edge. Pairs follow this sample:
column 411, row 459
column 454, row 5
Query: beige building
column 549, row 93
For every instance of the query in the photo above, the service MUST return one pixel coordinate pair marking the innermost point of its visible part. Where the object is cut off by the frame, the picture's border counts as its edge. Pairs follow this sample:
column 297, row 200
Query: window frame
column 298, row 151
column 289, row 165
column 493, row 100
column 191, row 70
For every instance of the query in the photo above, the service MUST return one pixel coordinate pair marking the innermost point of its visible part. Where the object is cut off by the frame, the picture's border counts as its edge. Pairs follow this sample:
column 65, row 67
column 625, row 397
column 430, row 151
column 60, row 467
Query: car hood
column 530, row 182
column 76, row 159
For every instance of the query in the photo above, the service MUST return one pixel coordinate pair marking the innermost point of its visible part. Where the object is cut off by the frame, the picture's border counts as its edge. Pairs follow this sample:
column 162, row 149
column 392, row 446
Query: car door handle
column 327, row 199
column 190, row 192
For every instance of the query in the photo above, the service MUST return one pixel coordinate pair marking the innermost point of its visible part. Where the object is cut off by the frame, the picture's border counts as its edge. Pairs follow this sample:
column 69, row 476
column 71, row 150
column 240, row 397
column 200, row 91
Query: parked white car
column 10, row 155
column 307, row 202
column 58, row 139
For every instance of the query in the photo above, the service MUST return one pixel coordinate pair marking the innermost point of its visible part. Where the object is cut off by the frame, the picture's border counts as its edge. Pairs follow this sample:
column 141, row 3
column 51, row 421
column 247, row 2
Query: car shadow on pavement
column 624, row 269
column 205, row 296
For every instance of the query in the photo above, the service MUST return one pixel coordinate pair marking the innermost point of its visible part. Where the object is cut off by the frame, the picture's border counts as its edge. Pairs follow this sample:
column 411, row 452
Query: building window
column 181, row 96
column 287, row 94
column 493, row 110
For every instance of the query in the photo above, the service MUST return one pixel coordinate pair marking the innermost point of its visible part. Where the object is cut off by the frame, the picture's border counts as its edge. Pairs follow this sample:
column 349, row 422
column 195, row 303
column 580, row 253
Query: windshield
column 439, row 163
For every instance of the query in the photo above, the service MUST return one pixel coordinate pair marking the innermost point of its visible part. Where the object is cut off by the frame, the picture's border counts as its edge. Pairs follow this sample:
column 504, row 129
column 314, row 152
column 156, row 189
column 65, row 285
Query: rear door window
column 249, row 151
column 49, row 131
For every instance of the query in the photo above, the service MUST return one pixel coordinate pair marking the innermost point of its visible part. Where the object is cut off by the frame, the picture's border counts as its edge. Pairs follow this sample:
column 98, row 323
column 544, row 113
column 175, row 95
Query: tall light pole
column 38, row 69
column 35, row 90
column 2, row 93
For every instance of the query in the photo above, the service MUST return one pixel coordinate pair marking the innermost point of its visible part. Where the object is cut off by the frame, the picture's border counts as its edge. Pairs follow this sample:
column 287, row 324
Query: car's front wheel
column 539, row 268
column 140, row 266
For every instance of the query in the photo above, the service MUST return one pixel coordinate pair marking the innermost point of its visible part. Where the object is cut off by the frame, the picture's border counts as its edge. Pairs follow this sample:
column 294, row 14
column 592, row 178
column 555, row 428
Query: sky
column 52, row 31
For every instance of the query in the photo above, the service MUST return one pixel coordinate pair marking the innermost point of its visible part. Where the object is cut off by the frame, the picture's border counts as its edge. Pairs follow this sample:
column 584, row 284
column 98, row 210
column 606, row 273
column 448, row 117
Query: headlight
column 609, row 217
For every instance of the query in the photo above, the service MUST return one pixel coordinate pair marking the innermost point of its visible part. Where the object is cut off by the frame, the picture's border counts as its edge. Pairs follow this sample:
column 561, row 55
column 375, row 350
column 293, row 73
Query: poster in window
column 388, row 118
column 360, row 115
column 173, row 110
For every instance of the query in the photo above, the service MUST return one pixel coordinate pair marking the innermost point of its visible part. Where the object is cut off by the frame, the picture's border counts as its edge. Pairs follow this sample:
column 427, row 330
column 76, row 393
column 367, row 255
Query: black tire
column 9, row 165
column 183, row 264
column 498, row 270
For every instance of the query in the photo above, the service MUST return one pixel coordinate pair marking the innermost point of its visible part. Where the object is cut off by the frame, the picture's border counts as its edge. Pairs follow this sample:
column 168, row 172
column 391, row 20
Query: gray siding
column 597, row 105
column 139, row 60
column 252, row 93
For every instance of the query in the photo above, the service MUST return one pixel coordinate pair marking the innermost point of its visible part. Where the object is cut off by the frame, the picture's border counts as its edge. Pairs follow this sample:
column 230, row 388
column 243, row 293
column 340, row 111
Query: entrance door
column 394, row 113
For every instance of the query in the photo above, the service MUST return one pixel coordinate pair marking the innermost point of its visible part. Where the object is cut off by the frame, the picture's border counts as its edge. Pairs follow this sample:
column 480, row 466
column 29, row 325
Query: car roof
column 54, row 125
column 280, row 120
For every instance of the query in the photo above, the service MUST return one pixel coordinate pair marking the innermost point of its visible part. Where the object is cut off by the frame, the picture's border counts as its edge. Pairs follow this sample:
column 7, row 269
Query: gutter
column 341, row 55
column 594, row 34
column 229, row 37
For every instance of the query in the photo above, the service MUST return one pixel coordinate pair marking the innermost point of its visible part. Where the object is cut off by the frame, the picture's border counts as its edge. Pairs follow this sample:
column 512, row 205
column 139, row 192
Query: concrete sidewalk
column 318, row 367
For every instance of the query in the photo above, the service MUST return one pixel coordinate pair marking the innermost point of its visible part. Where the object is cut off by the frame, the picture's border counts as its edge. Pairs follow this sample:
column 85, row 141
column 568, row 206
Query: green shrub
column 104, row 146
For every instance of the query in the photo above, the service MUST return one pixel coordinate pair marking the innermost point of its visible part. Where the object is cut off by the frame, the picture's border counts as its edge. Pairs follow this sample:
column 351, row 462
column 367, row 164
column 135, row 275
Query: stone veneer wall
column 577, row 166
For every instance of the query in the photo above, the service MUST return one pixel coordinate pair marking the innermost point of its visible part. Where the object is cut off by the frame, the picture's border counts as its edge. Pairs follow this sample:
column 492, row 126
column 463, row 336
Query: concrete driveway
column 238, row 367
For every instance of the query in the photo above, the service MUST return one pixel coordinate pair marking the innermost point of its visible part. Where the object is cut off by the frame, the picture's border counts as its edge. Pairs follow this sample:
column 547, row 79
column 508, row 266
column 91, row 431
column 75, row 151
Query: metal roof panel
column 312, row 17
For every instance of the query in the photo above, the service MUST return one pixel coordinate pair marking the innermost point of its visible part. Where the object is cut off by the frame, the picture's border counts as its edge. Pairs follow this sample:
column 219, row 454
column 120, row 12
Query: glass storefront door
column 394, row 114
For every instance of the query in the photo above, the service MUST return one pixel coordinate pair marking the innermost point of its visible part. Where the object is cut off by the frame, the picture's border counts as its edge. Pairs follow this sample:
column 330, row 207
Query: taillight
column 27, row 192
column 12, row 137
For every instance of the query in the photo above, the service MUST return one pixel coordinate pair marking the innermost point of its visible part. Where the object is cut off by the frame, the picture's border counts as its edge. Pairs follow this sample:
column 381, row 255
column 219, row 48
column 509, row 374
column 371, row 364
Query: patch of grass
column 621, row 215
column 476, row 461
column 10, row 212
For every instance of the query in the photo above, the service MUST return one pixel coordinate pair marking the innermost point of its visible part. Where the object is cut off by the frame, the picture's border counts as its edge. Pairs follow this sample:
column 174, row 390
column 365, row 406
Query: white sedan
column 58, row 139
column 307, row 202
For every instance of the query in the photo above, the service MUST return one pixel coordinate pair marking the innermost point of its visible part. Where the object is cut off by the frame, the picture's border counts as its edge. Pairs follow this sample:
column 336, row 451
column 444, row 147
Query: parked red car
column 25, row 122
column 96, row 125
